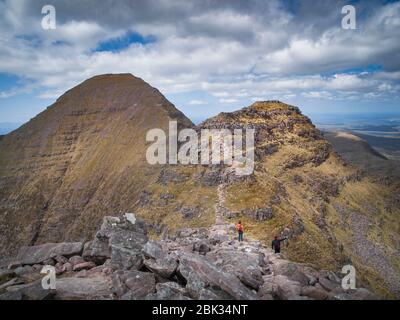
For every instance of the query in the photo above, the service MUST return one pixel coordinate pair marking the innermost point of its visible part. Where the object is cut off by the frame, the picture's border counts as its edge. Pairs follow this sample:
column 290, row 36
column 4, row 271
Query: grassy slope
column 309, row 194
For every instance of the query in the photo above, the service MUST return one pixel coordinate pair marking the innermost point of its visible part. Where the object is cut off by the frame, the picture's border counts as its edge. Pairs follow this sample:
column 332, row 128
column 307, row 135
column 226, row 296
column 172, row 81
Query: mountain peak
column 79, row 159
column 105, row 85
column 113, row 77
column 270, row 105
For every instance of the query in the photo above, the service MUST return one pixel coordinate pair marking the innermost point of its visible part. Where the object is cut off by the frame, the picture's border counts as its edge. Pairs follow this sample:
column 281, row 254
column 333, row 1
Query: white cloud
column 318, row 95
column 197, row 102
column 233, row 50
column 228, row 100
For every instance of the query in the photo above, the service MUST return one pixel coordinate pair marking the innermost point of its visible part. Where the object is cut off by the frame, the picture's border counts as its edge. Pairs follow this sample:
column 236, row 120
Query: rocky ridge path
column 220, row 228
column 195, row 263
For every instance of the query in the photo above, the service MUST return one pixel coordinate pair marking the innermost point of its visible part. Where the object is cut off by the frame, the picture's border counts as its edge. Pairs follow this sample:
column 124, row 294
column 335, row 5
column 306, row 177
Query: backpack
column 239, row 227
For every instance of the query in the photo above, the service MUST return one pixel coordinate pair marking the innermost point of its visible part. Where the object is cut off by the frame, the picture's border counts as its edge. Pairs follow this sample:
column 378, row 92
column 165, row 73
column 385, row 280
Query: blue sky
column 206, row 57
column 123, row 42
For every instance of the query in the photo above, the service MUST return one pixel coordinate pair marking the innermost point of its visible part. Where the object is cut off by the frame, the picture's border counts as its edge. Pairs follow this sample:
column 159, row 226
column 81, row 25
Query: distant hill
column 388, row 146
column 359, row 152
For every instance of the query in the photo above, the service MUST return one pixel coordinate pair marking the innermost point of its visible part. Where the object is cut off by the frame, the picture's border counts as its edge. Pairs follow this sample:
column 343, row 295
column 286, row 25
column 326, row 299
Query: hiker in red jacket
column 240, row 229
column 276, row 244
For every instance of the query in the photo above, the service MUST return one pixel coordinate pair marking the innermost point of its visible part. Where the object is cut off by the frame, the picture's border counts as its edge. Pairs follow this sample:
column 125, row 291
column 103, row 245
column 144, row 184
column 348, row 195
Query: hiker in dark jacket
column 276, row 244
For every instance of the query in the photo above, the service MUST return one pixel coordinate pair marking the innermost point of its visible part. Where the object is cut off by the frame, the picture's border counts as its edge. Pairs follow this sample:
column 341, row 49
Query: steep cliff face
column 79, row 160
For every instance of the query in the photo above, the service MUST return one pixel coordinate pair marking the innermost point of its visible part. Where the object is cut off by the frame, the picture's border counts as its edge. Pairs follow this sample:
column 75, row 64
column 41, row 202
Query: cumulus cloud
column 228, row 100
column 197, row 102
column 234, row 50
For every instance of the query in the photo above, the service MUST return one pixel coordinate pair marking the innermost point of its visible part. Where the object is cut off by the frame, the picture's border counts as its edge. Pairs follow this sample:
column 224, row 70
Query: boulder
column 268, row 288
column 98, row 250
column 206, row 294
column 120, row 239
column 84, row 266
column 37, row 267
column 12, row 282
column 14, row 264
column 246, row 265
column 49, row 262
column 154, row 250
column 72, row 288
column 314, row 293
column 159, row 261
column 67, row 267
column 164, row 267
column 60, row 259
column 267, row 297
column 133, row 284
column 202, row 247
column 31, row 277
column 286, row 288
column 118, row 286
column 291, row 270
column 330, row 275
column 327, row 284
column 201, row 273
column 125, row 258
column 170, row 291
column 23, row 270
column 36, row 292
column 38, row 254
column 32, row 291
column 76, row 260
column 251, row 277
column 87, row 250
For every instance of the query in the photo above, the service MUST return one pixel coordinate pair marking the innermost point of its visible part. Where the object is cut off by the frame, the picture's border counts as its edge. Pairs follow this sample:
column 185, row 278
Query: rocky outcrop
column 73, row 288
column 200, row 274
column 158, row 261
column 171, row 270
column 38, row 254
column 120, row 240
column 133, row 284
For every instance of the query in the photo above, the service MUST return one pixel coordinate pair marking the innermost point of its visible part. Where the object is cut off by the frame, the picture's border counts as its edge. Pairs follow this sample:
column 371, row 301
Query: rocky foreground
column 199, row 263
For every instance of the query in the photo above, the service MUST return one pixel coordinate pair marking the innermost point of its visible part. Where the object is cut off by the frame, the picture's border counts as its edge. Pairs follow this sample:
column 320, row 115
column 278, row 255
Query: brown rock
column 133, row 284
column 67, row 267
column 39, row 254
column 200, row 273
column 84, row 266
column 83, row 288
column 76, row 260
column 314, row 293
